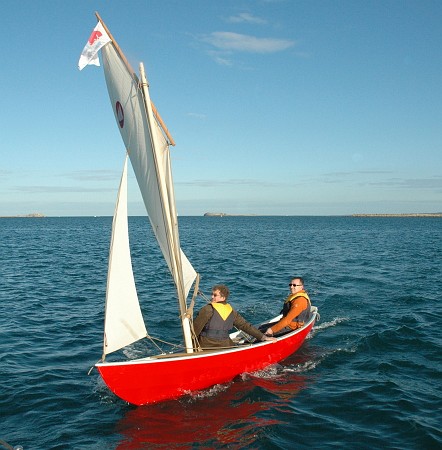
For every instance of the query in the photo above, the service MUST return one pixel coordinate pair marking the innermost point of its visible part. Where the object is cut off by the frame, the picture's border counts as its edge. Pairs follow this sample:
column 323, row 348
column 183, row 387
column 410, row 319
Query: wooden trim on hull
column 151, row 380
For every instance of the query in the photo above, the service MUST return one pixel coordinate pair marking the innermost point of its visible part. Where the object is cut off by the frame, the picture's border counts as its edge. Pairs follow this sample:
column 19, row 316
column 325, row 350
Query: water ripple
column 366, row 377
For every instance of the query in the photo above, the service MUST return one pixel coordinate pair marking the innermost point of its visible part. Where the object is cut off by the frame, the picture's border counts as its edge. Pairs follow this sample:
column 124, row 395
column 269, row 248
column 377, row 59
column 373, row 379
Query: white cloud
column 93, row 175
column 220, row 58
column 432, row 183
column 208, row 183
column 246, row 18
column 59, row 189
column 226, row 40
column 196, row 115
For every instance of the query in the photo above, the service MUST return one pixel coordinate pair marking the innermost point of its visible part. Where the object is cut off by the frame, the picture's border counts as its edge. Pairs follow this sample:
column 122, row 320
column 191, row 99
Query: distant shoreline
column 33, row 215
column 228, row 215
column 399, row 215
column 208, row 214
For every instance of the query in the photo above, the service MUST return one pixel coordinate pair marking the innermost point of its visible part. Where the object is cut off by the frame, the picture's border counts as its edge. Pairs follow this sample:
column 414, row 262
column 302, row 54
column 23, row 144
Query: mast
column 173, row 230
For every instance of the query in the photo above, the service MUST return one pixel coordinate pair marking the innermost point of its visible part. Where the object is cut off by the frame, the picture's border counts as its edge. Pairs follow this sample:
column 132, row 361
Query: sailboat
column 166, row 375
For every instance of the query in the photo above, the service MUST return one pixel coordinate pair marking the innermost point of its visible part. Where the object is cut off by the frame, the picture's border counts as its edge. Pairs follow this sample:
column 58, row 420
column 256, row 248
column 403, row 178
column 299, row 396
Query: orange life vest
column 305, row 314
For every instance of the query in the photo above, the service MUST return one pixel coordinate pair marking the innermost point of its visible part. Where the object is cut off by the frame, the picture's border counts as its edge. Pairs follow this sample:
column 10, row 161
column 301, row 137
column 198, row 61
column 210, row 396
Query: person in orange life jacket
column 215, row 320
column 296, row 309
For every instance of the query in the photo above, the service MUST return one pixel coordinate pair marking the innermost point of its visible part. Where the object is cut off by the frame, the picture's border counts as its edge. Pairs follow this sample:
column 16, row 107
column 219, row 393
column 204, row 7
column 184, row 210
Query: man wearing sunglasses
column 296, row 309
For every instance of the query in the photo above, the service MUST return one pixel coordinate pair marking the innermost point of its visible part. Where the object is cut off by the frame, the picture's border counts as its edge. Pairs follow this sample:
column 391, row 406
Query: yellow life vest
column 220, row 323
column 298, row 294
column 224, row 309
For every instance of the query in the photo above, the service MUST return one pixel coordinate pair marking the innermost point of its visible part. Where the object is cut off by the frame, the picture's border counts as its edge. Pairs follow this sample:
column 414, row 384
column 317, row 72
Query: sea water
column 368, row 376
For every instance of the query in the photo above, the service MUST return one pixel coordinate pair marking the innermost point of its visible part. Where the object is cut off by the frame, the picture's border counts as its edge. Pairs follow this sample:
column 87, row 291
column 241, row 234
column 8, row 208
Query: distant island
column 25, row 215
column 400, row 215
column 210, row 214
column 222, row 214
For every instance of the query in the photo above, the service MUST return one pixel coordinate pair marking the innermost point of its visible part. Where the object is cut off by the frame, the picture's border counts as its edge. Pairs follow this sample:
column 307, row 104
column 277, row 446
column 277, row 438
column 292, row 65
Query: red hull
column 151, row 380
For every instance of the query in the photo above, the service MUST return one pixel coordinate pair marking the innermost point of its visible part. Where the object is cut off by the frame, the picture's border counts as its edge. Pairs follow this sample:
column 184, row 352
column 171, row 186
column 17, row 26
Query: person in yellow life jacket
column 296, row 309
column 215, row 320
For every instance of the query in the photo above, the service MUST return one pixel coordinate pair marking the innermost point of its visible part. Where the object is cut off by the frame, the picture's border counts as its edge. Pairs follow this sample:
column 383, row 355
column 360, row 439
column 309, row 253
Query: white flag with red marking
column 97, row 39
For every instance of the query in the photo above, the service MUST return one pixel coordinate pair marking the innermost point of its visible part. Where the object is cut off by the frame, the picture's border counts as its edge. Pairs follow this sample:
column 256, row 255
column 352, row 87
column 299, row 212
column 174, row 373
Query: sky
column 277, row 107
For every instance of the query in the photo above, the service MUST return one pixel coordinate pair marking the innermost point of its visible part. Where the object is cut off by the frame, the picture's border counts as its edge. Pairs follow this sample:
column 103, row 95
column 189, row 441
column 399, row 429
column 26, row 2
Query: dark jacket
column 213, row 329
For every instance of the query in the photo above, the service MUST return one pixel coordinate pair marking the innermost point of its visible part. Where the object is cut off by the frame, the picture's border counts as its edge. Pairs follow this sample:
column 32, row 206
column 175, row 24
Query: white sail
column 149, row 154
column 124, row 322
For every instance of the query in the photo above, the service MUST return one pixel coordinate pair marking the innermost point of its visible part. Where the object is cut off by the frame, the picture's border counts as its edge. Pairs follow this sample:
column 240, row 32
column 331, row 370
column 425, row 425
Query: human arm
column 297, row 306
column 242, row 324
column 202, row 318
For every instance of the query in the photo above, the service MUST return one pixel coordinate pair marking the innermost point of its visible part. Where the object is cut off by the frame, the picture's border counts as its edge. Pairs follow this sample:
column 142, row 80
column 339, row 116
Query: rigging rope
column 152, row 339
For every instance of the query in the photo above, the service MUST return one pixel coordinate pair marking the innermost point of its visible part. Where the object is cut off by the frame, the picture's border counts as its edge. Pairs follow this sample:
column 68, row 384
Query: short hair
column 300, row 279
column 223, row 290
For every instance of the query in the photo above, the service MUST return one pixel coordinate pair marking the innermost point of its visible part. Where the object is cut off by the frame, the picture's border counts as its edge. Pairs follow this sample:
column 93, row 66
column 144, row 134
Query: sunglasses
column 291, row 284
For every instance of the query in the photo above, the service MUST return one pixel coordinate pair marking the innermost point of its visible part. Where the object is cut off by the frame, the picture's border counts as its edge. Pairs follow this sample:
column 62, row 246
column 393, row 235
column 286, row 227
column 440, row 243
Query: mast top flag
column 98, row 39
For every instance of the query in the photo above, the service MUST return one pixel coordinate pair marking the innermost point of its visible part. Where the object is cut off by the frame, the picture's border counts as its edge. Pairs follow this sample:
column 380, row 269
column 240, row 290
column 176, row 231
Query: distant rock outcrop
column 209, row 214
column 26, row 215
column 400, row 215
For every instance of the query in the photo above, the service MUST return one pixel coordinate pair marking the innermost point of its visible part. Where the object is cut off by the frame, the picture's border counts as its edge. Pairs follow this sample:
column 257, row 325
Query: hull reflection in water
column 230, row 418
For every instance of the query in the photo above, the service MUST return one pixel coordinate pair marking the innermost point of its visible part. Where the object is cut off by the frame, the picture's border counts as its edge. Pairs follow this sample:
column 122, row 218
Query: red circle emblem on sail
column 120, row 114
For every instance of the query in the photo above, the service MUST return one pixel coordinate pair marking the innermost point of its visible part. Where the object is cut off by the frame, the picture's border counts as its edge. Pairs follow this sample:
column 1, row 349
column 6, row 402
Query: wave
column 332, row 323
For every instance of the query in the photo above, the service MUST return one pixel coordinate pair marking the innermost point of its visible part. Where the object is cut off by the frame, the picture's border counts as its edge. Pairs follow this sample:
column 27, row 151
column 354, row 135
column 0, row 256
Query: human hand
column 269, row 338
column 269, row 332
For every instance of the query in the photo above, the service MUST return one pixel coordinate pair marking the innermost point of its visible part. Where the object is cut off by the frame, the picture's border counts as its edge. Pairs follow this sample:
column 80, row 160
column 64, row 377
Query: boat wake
column 105, row 395
column 207, row 393
column 270, row 372
column 332, row 323
column 303, row 367
column 278, row 371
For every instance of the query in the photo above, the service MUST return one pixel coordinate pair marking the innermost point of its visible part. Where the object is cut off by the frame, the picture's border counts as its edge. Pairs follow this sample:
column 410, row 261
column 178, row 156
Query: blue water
column 369, row 375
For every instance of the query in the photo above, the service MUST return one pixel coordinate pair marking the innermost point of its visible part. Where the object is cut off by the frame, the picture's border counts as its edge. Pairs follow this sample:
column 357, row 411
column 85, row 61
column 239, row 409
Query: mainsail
column 148, row 150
